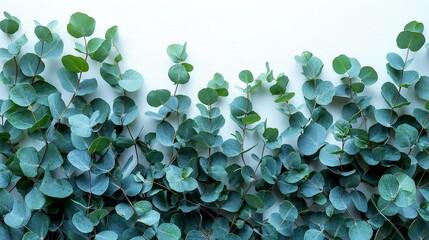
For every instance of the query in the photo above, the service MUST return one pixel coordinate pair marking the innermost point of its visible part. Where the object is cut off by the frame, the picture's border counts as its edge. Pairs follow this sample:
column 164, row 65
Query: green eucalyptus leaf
column 81, row 125
column 9, row 26
column 150, row 218
column 231, row 148
column 86, row 87
column 314, row 234
column 368, row 75
column 407, row 190
column 325, row 91
column 410, row 40
column 156, row 98
column 106, row 235
column 23, row 94
column 269, row 170
column 31, row 65
column 339, row 198
column 165, row 133
column 5, row 176
column 79, row 159
column 19, row 216
column 341, row 64
column 392, row 96
column 246, row 76
column 177, row 52
column 422, row 88
column 35, row 199
column 112, row 34
column 271, row 134
column 131, row 81
column 385, row 117
column 178, row 74
column 418, row 229
column 56, row 188
column 75, row 64
column 124, row 210
column 15, row 47
column 360, row 230
column 312, row 139
column 395, row 61
column 388, row 186
column 207, row 96
column 414, row 26
column 168, row 231
column 82, row 223
column 28, row 161
column 254, row 201
column 179, row 179
column 68, row 79
column 312, row 68
column 406, row 135
column 51, row 49
column 219, row 84
column 43, row 34
column 81, row 25
column 56, row 105
column 99, row 145
column 6, row 203
column 22, row 120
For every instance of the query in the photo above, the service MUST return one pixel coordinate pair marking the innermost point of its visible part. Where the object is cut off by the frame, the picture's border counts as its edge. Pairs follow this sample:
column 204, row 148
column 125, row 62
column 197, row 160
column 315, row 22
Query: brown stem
column 400, row 87
column 38, row 61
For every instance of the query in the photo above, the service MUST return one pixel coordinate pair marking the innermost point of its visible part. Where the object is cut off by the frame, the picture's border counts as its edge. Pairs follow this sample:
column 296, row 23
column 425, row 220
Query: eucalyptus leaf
column 337, row 166
column 312, row 139
column 168, row 231
column 81, row 25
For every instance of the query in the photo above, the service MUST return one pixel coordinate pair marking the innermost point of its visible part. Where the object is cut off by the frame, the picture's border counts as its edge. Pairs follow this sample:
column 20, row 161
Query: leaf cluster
column 75, row 180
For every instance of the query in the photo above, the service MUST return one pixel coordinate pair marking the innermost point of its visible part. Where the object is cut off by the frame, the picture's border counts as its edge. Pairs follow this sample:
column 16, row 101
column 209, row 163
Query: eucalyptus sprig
column 65, row 172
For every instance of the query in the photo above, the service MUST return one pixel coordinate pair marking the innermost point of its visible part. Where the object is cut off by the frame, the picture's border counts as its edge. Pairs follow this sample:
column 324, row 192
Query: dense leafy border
column 370, row 184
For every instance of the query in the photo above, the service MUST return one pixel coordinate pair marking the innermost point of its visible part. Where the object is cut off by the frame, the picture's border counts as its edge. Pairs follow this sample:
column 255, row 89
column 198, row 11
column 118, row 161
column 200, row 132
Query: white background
column 228, row 36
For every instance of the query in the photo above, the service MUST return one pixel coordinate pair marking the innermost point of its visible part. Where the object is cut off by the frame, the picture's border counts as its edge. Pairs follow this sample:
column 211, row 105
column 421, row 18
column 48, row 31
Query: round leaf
column 312, row 139
column 368, row 75
column 31, row 65
column 360, row 230
column 388, row 187
column 207, row 96
column 81, row 25
column 341, row 64
column 156, row 98
column 131, row 81
column 246, row 76
column 406, row 135
column 82, row 223
column 178, row 74
column 411, row 40
column 75, row 64
column 23, row 94
column 339, row 198
column 168, row 231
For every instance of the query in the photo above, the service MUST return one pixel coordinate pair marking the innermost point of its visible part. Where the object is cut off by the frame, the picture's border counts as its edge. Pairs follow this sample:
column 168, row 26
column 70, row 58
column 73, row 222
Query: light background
column 228, row 36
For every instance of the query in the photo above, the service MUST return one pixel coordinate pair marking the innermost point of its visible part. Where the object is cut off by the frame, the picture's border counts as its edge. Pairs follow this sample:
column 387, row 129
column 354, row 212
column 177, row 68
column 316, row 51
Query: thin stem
column 38, row 61
column 250, row 185
column 243, row 133
column 175, row 90
column 210, row 130
column 123, row 191
column 393, row 225
column 400, row 87
column 77, row 85
column 357, row 105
